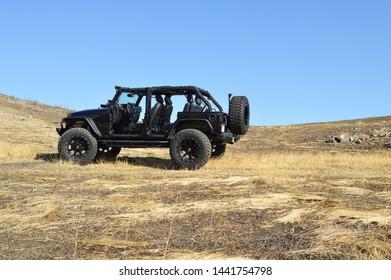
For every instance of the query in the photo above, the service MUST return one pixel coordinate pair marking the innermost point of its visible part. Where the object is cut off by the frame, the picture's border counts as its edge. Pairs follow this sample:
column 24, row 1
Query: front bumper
column 60, row 130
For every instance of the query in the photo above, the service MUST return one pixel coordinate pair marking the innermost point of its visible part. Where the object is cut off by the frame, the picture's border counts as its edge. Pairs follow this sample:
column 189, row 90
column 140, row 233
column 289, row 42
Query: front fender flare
column 87, row 121
column 93, row 126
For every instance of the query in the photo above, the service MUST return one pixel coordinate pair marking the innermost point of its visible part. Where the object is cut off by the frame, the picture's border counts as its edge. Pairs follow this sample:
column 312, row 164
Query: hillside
column 28, row 122
column 311, row 191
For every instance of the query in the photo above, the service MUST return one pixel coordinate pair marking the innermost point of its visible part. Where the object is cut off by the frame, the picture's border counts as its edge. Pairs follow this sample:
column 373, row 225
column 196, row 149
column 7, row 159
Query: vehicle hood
column 89, row 113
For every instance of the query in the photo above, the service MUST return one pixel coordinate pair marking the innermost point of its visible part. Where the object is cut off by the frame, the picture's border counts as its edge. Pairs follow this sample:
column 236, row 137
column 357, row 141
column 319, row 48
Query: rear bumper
column 228, row 137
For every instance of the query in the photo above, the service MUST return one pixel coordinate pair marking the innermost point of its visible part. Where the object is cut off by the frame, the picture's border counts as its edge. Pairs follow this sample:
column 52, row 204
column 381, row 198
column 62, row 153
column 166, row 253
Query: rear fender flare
column 205, row 126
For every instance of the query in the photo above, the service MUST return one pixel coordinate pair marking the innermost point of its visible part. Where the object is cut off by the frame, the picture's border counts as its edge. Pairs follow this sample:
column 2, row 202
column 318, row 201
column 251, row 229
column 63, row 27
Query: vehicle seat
column 116, row 115
column 155, row 113
column 189, row 103
column 166, row 113
column 197, row 107
column 133, row 112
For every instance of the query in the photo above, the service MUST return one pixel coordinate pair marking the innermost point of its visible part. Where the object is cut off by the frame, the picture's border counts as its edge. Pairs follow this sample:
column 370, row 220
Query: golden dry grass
column 275, row 195
column 12, row 152
column 272, row 205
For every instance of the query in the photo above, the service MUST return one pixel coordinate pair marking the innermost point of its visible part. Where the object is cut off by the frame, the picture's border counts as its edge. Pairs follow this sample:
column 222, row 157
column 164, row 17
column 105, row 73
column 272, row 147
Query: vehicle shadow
column 54, row 157
column 154, row 162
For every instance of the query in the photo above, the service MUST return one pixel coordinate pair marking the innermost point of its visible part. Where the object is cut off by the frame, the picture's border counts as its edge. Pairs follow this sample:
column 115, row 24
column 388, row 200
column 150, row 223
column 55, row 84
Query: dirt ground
column 280, row 193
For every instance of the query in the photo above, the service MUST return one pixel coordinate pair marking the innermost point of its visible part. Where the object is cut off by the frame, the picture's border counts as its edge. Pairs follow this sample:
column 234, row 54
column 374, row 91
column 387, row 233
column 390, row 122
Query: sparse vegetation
column 17, row 152
column 286, row 197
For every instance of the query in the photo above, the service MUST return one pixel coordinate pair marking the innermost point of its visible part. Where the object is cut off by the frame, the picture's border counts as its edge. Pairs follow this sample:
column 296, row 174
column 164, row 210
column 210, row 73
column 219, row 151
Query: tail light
column 223, row 122
column 222, row 128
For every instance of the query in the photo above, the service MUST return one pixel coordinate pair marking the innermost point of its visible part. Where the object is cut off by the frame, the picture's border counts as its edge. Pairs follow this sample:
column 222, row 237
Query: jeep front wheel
column 190, row 148
column 78, row 145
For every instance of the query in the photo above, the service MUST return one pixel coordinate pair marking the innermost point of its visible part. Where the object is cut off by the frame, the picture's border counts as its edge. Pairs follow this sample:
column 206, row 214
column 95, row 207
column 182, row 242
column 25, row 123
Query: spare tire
column 239, row 115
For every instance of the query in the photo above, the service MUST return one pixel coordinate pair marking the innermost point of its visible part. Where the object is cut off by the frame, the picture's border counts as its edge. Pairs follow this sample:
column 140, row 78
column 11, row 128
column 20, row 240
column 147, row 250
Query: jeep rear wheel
column 78, row 145
column 105, row 153
column 218, row 151
column 239, row 115
column 190, row 148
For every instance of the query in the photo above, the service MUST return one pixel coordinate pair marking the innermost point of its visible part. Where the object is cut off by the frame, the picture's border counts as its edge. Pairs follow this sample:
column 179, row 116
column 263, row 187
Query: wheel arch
column 198, row 124
column 87, row 123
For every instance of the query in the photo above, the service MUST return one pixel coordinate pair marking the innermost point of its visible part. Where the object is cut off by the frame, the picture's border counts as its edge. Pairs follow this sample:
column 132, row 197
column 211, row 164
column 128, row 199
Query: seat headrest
column 159, row 98
column 168, row 101
column 190, row 98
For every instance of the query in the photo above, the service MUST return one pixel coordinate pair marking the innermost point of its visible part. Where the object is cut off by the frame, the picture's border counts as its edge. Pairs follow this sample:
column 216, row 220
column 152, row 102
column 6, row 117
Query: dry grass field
column 280, row 193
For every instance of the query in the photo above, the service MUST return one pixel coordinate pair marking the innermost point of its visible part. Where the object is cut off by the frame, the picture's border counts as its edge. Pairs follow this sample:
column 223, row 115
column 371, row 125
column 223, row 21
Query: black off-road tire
column 78, row 145
column 105, row 153
column 239, row 115
column 190, row 149
column 218, row 151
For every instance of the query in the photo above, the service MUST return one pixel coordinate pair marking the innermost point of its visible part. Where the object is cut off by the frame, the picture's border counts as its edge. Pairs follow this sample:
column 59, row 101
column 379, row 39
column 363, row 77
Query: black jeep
column 141, row 118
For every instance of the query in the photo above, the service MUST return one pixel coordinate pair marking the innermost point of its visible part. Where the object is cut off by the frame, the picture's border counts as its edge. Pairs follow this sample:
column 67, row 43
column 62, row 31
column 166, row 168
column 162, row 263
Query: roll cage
column 148, row 92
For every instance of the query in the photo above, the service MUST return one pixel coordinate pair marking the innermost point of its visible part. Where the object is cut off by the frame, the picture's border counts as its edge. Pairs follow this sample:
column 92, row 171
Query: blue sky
column 297, row 61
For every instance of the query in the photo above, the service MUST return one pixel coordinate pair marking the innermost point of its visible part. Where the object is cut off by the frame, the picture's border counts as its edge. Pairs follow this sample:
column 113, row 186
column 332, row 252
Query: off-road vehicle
column 141, row 118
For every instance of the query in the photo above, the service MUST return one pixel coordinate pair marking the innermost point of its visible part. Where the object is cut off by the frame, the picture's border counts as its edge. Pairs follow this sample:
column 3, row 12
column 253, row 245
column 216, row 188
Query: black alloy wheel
column 190, row 148
column 78, row 145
